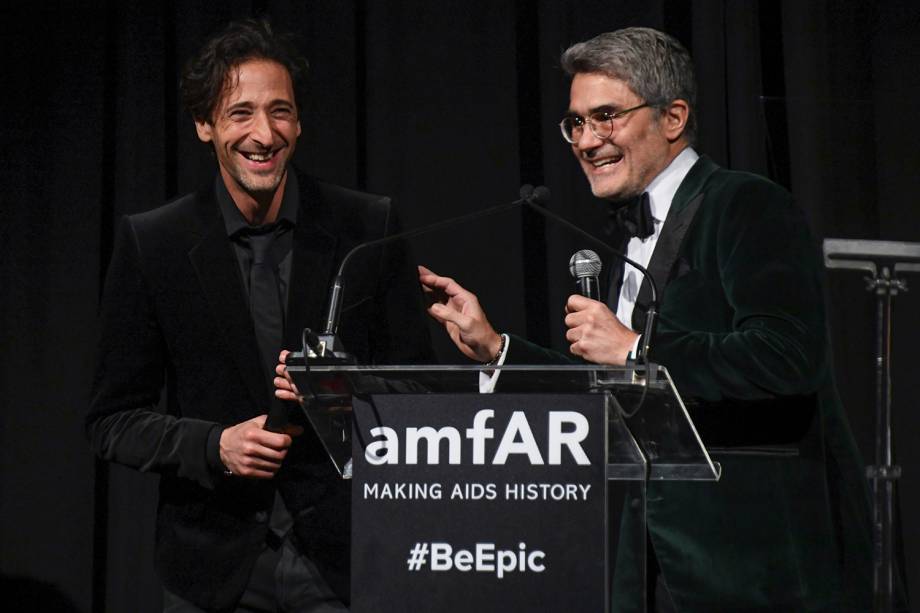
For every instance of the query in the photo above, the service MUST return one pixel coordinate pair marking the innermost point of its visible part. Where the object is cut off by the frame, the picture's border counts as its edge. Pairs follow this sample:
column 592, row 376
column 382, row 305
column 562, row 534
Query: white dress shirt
column 660, row 194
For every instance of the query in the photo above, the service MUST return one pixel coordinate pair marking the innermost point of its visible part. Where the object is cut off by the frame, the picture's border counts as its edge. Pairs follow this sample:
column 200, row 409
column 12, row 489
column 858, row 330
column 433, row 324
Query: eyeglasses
column 600, row 122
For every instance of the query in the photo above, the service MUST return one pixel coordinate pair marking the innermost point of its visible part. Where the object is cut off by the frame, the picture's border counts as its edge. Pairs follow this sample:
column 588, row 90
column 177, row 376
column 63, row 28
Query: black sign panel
column 479, row 502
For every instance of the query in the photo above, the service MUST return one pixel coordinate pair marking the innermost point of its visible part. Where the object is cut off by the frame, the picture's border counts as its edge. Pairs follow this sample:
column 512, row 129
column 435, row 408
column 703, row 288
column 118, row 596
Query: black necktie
column 636, row 218
column 265, row 293
column 268, row 319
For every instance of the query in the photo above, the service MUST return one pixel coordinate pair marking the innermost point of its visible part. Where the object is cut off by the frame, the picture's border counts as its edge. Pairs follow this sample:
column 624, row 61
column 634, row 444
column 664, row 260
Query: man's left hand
column 595, row 333
column 284, row 384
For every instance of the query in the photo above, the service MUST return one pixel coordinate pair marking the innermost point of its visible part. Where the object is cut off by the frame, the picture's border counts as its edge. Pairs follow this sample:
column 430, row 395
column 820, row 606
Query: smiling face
column 641, row 145
column 254, row 129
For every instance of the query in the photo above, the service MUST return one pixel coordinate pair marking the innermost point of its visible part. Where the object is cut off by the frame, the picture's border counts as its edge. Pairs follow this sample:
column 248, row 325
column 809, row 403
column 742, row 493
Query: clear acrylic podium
column 531, row 498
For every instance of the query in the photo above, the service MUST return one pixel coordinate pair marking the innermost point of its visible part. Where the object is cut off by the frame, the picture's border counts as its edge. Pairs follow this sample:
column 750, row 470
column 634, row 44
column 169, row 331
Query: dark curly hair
column 207, row 75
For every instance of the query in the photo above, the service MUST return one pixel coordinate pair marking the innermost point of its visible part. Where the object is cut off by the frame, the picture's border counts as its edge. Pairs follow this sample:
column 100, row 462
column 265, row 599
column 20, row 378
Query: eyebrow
column 603, row 107
column 243, row 104
column 606, row 107
column 249, row 105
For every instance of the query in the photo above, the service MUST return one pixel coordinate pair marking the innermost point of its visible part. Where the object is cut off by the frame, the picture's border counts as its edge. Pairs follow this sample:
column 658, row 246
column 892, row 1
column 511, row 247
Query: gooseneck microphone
column 536, row 198
column 337, row 290
column 585, row 267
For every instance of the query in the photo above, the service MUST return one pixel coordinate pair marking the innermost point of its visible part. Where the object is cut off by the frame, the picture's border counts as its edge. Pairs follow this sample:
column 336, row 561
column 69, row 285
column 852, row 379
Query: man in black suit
column 201, row 295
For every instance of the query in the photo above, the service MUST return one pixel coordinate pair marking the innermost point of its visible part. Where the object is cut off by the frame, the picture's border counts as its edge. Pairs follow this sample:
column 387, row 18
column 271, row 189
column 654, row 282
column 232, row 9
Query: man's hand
column 248, row 450
column 284, row 385
column 459, row 312
column 595, row 332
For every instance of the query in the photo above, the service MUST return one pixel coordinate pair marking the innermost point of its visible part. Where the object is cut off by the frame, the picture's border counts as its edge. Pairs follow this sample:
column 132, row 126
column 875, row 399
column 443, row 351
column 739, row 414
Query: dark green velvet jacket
column 742, row 331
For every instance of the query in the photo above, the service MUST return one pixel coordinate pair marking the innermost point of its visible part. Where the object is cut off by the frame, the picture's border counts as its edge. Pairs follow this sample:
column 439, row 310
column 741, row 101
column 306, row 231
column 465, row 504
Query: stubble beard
column 623, row 193
column 260, row 185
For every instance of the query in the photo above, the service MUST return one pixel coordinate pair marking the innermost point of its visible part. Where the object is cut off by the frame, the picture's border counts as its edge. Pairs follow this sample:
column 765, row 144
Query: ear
column 298, row 128
column 204, row 130
column 674, row 119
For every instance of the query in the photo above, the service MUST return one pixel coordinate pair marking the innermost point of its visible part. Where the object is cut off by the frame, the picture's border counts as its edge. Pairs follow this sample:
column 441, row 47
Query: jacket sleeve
column 123, row 424
column 747, row 320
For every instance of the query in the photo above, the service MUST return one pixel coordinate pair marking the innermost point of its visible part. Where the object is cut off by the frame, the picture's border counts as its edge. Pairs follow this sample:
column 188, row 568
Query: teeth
column 259, row 157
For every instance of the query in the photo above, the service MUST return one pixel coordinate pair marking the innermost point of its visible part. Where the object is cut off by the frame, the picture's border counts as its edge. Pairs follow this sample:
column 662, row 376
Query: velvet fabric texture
column 742, row 332
column 175, row 316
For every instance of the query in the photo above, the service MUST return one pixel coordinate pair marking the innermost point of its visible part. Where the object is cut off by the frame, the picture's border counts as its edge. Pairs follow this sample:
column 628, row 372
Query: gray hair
column 654, row 65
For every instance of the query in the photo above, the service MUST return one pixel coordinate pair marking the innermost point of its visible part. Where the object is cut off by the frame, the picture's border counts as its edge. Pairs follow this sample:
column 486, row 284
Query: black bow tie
column 635, row 217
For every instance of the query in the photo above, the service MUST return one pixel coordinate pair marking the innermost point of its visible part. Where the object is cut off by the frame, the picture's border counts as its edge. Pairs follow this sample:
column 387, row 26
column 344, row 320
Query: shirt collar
column 663, row 187
column 234, row 221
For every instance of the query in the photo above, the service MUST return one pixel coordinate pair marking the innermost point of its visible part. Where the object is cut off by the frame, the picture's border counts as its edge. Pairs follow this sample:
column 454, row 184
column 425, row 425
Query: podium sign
column 479, row 502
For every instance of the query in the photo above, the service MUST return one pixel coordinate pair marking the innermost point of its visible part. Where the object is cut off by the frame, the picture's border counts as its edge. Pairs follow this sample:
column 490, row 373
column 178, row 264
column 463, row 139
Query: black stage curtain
column 448, row 106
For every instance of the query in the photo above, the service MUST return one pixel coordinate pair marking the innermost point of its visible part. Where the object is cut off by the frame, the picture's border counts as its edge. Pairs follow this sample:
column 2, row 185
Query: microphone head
column 526, row 191
column 584, row 263
column 540, row 196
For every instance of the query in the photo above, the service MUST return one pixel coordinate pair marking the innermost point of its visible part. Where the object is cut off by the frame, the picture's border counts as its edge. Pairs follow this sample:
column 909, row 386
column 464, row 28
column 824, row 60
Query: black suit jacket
column 175, row 317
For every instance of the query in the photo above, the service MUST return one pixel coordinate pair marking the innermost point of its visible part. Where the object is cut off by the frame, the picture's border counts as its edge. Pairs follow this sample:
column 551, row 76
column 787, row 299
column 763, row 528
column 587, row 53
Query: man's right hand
column 459, row 312
column 248, row 450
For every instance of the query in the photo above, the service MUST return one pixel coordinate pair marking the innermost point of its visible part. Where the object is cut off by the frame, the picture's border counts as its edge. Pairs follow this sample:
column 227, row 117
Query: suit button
column 262, row 516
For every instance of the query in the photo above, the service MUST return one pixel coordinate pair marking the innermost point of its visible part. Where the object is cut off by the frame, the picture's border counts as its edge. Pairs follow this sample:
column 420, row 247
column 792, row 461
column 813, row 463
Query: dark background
column 448, row 106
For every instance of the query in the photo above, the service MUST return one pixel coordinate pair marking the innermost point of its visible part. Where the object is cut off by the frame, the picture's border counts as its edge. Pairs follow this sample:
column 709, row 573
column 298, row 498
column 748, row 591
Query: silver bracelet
column 501, row 349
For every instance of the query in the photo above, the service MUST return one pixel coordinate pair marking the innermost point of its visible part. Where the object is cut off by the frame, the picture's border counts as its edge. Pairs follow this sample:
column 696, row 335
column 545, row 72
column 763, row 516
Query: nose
column 261, row 131
column 587, row 141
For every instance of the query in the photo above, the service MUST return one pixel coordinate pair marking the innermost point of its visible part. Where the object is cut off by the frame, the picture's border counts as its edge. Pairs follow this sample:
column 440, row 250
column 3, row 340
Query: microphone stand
column 883, row 260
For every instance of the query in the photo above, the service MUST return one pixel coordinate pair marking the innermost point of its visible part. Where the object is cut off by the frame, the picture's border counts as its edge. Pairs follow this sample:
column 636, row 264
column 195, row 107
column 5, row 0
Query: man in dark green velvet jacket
column 742, row 331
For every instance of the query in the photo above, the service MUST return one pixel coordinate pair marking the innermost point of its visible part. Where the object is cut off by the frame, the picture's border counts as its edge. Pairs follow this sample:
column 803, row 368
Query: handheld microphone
column 585, row 267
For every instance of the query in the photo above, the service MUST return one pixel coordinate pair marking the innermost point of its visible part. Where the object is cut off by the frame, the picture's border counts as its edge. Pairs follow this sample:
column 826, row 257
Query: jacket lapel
column 218, row 273
column 683, row 208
